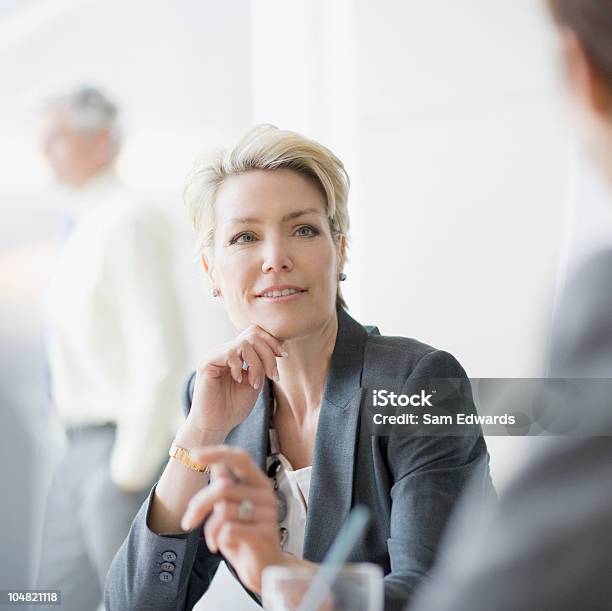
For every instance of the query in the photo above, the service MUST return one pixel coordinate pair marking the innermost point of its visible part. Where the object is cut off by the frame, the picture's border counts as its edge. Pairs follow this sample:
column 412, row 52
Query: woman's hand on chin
column 225, row 392
column 247, row 537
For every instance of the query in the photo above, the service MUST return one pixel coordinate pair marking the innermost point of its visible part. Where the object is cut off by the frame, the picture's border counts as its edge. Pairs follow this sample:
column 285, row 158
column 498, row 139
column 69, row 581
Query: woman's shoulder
column 397, row 345
column 398, row 357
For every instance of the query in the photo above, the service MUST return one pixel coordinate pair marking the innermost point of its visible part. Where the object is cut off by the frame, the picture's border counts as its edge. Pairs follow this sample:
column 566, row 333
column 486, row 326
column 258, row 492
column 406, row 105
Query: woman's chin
column 288, row 323
column 284, row 330
column 283, row 327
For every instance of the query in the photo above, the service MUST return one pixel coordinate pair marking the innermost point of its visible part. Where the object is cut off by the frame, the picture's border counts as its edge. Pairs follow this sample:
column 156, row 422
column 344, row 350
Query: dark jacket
column 409, row 483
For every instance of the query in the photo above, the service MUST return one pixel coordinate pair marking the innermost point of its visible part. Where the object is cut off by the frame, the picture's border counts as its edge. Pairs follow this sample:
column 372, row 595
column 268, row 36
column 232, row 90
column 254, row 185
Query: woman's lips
column 281, row 298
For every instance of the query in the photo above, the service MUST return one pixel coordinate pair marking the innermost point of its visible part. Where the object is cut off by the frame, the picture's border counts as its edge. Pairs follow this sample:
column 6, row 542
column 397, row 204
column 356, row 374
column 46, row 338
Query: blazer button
column 167, row 566
column 165, row 576
column 169, row 556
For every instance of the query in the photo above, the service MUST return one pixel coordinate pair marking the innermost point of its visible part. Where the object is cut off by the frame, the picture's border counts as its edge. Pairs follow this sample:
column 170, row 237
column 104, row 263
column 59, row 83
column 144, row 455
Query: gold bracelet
column 182, row 455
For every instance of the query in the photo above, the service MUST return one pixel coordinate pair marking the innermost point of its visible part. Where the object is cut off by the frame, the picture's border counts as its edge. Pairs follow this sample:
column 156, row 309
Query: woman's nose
column 276, row 259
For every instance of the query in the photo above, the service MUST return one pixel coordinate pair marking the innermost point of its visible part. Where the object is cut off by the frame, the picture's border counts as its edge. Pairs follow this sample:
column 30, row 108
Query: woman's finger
column 266, row 356
column 256, row 370
column 231, row 533
column 275, row 345
column 255, row 346
column 229, row 511
column 234, row 362
column 201, row 504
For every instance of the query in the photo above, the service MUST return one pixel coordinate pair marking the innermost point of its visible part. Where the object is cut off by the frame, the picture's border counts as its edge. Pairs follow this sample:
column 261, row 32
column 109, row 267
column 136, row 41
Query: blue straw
column 344, row 543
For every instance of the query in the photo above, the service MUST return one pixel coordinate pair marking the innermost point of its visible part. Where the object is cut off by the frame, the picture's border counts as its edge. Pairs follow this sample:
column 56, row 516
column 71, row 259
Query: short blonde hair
column 265, row 147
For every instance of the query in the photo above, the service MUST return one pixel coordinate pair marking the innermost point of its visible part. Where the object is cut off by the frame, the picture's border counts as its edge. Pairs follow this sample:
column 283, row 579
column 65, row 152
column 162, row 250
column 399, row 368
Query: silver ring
column 245, row 365
column 245, row 510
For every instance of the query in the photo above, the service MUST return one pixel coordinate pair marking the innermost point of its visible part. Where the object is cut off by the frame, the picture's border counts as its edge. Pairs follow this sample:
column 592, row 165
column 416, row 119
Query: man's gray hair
column 89, row 109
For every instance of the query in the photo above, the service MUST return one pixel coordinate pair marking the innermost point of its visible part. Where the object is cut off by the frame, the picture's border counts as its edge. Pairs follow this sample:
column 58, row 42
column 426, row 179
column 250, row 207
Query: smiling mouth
column 285, row 294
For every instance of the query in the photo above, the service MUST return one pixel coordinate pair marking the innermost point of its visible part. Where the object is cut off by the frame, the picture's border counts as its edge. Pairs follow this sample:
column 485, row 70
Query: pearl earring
column 342, row 276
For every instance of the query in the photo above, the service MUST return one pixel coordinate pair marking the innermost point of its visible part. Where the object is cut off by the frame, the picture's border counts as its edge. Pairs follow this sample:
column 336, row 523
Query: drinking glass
column 358, row 587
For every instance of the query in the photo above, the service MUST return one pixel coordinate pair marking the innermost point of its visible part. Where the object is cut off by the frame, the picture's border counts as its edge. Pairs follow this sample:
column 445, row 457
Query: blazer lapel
column 331, row 486
column 252, row 433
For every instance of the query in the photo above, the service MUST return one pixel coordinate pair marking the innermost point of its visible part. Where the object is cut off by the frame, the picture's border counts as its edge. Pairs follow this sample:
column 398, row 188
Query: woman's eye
column 243, row 238
column 307, row 231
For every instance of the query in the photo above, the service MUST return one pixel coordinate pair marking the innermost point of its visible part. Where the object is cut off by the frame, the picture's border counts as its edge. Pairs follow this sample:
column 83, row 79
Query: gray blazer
column 409, row 483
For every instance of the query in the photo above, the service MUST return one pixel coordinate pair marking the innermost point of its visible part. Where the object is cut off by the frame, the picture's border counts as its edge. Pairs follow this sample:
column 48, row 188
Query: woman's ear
column 585, row 79
column 208, row 269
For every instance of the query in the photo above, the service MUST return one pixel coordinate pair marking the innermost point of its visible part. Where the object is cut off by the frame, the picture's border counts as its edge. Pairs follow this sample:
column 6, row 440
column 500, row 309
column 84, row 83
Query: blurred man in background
column 116, row 350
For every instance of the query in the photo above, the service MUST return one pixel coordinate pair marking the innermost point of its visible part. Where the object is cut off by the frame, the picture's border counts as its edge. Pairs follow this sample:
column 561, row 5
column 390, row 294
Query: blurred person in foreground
column 547, row 545
column 278, row 413
column 116, row 351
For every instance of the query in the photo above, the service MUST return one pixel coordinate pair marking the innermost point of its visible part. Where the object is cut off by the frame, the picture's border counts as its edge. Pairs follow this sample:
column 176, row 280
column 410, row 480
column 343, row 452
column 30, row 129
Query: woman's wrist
column 190, row 435
column 178, row 483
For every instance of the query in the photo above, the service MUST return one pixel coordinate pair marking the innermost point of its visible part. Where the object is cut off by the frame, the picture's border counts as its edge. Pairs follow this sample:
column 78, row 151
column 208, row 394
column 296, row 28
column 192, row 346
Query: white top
column 295, row 484
column 115, row 339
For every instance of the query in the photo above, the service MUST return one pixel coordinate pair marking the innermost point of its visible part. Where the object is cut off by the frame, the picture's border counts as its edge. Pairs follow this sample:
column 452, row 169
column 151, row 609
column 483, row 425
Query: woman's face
column 274, row 260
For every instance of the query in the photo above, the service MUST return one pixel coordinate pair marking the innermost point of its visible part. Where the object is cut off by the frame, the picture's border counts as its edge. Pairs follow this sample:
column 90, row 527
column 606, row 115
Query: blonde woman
column 277, row 414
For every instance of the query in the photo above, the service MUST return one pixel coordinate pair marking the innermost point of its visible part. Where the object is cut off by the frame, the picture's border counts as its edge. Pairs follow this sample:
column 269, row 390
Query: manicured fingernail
column 275, row 375
column 186, row 522
column 239, row 379
column 256, row 384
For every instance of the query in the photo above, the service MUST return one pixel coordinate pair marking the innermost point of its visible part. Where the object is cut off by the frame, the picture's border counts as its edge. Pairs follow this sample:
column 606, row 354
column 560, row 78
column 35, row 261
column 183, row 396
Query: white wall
column 463, row 161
